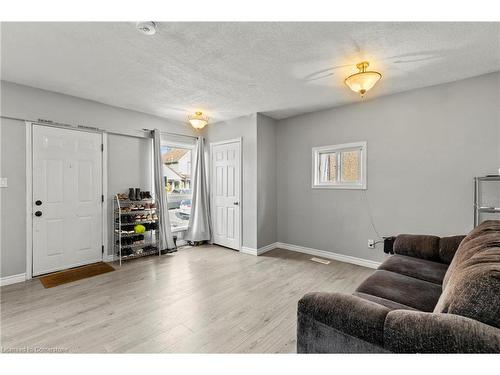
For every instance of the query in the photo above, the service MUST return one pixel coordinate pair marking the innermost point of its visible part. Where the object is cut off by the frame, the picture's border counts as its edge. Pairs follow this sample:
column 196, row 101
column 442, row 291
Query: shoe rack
column 135, row 223
column 481, row 204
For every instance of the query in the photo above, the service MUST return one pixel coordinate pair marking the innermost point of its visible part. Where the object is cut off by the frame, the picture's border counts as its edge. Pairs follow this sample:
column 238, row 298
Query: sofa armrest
column 348, row 314
column 418, row 332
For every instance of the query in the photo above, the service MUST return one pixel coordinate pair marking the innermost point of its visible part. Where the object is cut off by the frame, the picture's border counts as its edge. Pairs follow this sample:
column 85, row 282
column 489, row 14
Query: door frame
column 29, row 191
column 212, row 144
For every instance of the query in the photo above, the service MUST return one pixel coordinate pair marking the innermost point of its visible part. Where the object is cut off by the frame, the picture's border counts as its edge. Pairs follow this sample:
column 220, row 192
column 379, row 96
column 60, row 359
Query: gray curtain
column 166, row 241
column 199, row 228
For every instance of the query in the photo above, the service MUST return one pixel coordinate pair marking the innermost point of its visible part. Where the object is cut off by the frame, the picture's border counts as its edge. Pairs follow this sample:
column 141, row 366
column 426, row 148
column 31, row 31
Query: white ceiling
column 233, row 69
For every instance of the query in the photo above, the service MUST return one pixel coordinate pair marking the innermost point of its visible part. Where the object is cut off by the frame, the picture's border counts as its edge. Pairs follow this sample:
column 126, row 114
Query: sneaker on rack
column 127, row 251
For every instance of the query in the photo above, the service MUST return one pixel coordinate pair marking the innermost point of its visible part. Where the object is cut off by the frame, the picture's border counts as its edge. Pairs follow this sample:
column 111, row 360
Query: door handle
column 236, row 203
column 38, row 213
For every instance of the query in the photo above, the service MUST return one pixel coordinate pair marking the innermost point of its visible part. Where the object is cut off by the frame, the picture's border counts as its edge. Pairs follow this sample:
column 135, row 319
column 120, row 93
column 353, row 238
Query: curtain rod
column 90, row 128
column 176, row 134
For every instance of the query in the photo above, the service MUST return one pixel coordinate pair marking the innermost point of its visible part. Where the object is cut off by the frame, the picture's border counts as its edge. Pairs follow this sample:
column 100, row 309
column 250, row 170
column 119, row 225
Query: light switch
column 3, row 182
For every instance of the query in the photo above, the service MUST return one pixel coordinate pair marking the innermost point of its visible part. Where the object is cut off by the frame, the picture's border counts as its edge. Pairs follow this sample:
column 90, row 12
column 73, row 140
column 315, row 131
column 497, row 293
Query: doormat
column 62, row 277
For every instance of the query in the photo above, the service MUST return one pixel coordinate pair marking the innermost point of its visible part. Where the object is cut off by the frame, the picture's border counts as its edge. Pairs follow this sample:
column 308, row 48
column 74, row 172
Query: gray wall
column 13, row 218
column 128, row 163
column 424, row 147
column 266, row 181
column 246, row 128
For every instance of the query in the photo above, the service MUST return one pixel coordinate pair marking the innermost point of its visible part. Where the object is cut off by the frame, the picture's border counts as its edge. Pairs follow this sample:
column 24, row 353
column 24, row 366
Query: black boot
column 131, row 194
column 137, row 194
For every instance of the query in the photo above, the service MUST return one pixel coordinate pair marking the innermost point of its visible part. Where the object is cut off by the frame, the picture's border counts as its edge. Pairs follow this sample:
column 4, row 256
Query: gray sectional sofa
column 435, row 295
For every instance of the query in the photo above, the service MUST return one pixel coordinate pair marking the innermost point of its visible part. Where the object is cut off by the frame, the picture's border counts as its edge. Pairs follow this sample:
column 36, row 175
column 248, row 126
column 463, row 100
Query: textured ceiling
column 233, row 69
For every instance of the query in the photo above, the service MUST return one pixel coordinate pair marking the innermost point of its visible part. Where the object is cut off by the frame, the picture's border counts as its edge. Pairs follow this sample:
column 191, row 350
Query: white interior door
column 226, row 190
column 67, row 207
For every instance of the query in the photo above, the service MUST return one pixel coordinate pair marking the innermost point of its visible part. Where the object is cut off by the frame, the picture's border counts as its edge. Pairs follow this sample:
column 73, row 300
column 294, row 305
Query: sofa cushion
column 419, row 294
column 486, row 227
column 473, row 289
column 418, row 332
column 469, row 248
column 419, row 246
column 416, row 267
column 384, row 302
column 448, row 247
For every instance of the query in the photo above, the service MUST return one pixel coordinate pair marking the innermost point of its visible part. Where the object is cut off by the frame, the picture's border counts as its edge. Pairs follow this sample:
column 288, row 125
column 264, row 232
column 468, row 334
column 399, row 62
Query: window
column 177, row 171
column 340, row 166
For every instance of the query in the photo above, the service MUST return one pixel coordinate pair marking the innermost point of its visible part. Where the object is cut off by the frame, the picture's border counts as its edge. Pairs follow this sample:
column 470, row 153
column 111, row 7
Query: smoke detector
column 146, row 28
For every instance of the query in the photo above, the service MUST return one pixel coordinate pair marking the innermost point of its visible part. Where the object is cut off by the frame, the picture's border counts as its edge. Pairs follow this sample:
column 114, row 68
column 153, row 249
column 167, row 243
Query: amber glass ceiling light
column 198, row 120
column 364, row 80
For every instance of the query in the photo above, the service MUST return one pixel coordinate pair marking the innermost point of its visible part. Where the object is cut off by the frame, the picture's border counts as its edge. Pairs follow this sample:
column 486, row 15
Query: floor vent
column 319, row 260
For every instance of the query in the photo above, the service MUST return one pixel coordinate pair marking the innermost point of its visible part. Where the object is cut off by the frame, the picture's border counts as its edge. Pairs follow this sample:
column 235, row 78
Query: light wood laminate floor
column 203, row 299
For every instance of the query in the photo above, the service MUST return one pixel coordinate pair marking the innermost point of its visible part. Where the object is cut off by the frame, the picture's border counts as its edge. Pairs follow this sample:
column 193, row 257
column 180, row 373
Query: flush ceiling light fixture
column 146, row 28
column 364, row 80
column 198, row 120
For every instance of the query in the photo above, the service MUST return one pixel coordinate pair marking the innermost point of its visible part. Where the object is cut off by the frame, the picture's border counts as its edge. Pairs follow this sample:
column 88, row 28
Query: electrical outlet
column 371, row 244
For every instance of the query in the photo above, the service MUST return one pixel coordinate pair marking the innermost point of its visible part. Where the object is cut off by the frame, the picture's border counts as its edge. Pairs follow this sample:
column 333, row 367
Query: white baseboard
column 7, row 280
column 311, row 251
column 248, row 250
column 329, row 255
column 260, row 250
column 265, row 249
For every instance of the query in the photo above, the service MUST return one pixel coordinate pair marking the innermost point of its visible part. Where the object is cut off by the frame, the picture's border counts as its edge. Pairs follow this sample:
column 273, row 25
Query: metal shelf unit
column 148, row 246
column 478, row 205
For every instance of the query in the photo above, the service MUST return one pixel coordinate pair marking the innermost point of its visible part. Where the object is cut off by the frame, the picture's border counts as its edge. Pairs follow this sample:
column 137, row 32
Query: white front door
column 225, row 189
column 67, row 207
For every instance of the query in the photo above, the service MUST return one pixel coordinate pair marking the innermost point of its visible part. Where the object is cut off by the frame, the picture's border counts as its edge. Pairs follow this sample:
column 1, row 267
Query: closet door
column 225, row 190
column 67, row 206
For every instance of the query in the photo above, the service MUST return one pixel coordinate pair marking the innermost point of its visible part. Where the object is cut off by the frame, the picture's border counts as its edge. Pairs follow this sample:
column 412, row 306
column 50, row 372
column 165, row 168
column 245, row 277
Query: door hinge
column 102, row 198
column 102, row 147
column 102, row 249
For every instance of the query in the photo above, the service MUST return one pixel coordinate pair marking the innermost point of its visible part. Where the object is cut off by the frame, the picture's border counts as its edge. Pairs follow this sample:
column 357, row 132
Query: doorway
column 66, row 198
column 226, row 193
